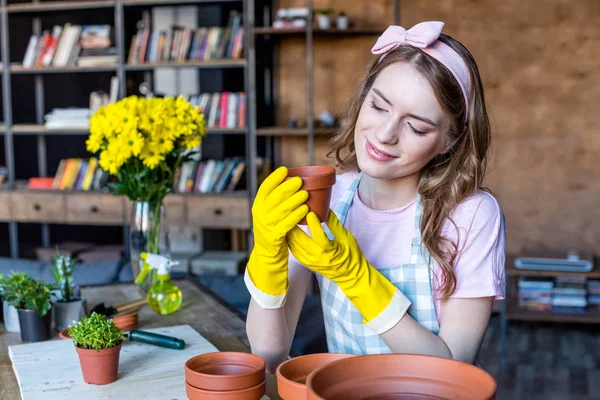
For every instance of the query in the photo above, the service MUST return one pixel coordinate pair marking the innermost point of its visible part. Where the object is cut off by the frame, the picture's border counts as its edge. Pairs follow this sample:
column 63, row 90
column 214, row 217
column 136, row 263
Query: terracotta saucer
column 292, row 374
column 225, row 371
column 252, row 393
column 400, row 376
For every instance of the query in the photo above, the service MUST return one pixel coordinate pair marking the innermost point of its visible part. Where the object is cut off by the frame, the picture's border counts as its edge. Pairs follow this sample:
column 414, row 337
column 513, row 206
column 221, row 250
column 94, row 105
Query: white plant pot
column 342, row 23
column 11, row 318
column 323, row 21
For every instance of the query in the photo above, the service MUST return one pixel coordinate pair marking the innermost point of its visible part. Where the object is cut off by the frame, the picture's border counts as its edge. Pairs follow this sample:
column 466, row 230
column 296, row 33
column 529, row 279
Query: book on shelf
column 562, row 294
column 70, row 45
column 181, row 44
column 80, row 174
column 68, row 118
column 222, row 110
column 213, row 176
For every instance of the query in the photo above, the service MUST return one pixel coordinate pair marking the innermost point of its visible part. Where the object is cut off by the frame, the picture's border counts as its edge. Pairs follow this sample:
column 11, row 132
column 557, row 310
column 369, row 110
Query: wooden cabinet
column 32, row 206
column 94, row 208
column 218, row 212
column 5, row 206
column 201, row 211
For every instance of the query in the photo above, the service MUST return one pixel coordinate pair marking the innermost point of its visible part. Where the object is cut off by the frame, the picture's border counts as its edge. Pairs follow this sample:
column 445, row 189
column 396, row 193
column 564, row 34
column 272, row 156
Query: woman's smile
column 377, row 154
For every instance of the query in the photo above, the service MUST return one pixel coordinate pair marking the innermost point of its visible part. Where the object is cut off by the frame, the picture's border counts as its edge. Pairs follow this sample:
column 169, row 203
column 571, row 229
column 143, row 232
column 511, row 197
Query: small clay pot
column 292, row 374
column 399, row 376
column 64, row 334
column 318, row 180
column 225, row 371
column 252, row 393
column 126, row 322
column 99, row 367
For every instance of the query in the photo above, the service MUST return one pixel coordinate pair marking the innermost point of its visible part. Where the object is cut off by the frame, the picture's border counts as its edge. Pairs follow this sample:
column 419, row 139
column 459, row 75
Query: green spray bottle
column 163, row 296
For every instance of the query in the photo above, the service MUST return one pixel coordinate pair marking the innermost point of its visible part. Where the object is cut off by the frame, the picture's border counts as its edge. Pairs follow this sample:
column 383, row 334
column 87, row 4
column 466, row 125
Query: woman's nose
column 388, row 132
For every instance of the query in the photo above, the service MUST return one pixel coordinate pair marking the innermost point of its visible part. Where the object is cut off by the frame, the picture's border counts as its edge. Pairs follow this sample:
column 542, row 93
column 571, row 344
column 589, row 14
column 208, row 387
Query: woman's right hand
column 278, row 207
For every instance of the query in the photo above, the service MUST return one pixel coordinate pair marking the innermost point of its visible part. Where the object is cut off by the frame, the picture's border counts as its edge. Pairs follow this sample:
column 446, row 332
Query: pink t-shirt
column 385, row 238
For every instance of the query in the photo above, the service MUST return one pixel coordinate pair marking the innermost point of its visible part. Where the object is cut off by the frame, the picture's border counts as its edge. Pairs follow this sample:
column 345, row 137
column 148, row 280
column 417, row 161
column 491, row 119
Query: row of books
column 80, row 174
column 222, row 110
column 83, row 45
column 571, row 294
column 209, row 176
column 183, row 44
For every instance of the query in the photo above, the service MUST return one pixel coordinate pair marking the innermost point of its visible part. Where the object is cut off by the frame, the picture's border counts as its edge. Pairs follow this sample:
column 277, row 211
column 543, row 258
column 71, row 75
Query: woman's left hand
column 341, row 261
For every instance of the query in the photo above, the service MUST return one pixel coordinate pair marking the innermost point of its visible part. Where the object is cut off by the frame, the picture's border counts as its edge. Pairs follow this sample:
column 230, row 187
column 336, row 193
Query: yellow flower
column 94, row 142
column 191, row 142
column 151, row 158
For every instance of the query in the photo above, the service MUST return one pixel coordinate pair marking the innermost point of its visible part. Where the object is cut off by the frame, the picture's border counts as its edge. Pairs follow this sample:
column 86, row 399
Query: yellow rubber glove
column 278, row 207
column 342, row 262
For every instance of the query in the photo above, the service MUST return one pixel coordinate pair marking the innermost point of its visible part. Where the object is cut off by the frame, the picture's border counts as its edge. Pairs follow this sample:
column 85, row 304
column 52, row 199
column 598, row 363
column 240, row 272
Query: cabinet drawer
column 99, row 209
column 38, row 207
column 218, row 212
column 5, row 206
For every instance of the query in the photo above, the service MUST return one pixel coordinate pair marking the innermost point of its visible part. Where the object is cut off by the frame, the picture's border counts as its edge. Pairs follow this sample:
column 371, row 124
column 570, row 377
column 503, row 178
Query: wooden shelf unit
column 230, row 210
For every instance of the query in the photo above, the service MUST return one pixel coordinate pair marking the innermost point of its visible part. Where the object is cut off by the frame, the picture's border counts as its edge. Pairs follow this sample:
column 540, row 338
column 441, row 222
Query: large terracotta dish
column 318, row 181
column 253, row 393
column 399, row 377
column 292, row 374
column 225, row 371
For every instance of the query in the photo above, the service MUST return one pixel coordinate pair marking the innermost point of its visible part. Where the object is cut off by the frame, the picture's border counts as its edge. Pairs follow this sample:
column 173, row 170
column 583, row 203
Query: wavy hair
column 449, row 178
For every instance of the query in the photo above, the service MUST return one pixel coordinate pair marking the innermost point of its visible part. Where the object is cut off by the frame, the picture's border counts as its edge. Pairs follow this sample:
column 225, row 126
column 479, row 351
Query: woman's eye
column 420, row 133
column 374, row 107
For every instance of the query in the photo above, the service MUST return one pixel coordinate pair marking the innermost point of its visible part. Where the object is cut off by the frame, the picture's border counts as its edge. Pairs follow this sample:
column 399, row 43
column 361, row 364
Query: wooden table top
column 200, row 309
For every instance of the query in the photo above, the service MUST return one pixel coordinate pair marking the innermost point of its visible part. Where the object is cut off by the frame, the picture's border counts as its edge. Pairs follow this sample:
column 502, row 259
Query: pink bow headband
column 425, row 36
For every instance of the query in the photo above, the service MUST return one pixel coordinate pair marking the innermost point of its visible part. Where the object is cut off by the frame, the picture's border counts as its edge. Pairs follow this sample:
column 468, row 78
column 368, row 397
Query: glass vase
column 148, row 232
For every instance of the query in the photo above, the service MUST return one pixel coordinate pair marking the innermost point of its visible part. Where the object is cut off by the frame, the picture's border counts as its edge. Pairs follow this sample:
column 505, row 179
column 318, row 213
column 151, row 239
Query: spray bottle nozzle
column 161, row 264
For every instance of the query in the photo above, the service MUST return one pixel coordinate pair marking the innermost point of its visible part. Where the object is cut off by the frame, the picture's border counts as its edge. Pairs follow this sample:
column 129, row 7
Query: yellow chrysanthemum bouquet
column 143, row 142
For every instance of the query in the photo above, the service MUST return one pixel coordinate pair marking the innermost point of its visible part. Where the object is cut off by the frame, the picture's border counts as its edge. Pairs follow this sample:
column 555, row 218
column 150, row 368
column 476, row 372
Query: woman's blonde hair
column 449, row 178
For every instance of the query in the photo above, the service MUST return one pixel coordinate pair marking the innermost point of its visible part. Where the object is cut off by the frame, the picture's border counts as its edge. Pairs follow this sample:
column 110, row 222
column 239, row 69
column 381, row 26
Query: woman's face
column 400, row 126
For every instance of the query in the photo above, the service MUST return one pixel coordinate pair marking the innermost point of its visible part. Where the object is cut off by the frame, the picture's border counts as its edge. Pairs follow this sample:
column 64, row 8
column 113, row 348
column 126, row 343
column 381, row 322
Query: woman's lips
column 377, row 154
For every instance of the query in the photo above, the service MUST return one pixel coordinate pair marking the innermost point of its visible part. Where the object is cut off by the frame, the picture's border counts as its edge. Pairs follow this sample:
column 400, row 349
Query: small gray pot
column 65, row 313
column 11, row 318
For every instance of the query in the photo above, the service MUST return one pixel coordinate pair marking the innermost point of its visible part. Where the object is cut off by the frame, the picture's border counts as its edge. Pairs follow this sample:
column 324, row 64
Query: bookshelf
column 227, row 210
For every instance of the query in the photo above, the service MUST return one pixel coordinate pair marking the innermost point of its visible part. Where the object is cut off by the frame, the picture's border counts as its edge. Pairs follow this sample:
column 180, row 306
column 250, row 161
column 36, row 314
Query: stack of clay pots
column 225, row 376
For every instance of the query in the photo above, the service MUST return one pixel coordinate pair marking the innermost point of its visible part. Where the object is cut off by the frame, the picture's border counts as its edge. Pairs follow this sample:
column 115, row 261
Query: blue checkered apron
column 344, row 326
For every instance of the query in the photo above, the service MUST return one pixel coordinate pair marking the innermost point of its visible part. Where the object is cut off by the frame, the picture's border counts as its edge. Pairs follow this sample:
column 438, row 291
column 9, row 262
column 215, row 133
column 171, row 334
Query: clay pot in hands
column 318, row 180
column 292, row 374
column 400, row 376
column 225, row 371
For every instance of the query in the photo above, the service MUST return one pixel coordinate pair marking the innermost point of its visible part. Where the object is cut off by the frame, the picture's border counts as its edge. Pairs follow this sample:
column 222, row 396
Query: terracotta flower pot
column 99, row 367
column 225, row 371
column 126, row 322
column 64, row 334
column 400, row 376
column 318, row 181
column 292, row 374
column 252, row 393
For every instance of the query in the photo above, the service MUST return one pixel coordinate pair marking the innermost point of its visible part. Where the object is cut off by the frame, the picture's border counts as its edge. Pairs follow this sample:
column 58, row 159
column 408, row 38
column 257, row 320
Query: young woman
column 412, row 256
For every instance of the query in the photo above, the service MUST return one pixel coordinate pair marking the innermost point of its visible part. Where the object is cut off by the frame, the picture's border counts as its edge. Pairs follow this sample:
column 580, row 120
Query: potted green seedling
column 10, row 314
column 324, row 17
column 69, row 306
column 32, row 299
column 98, row 343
